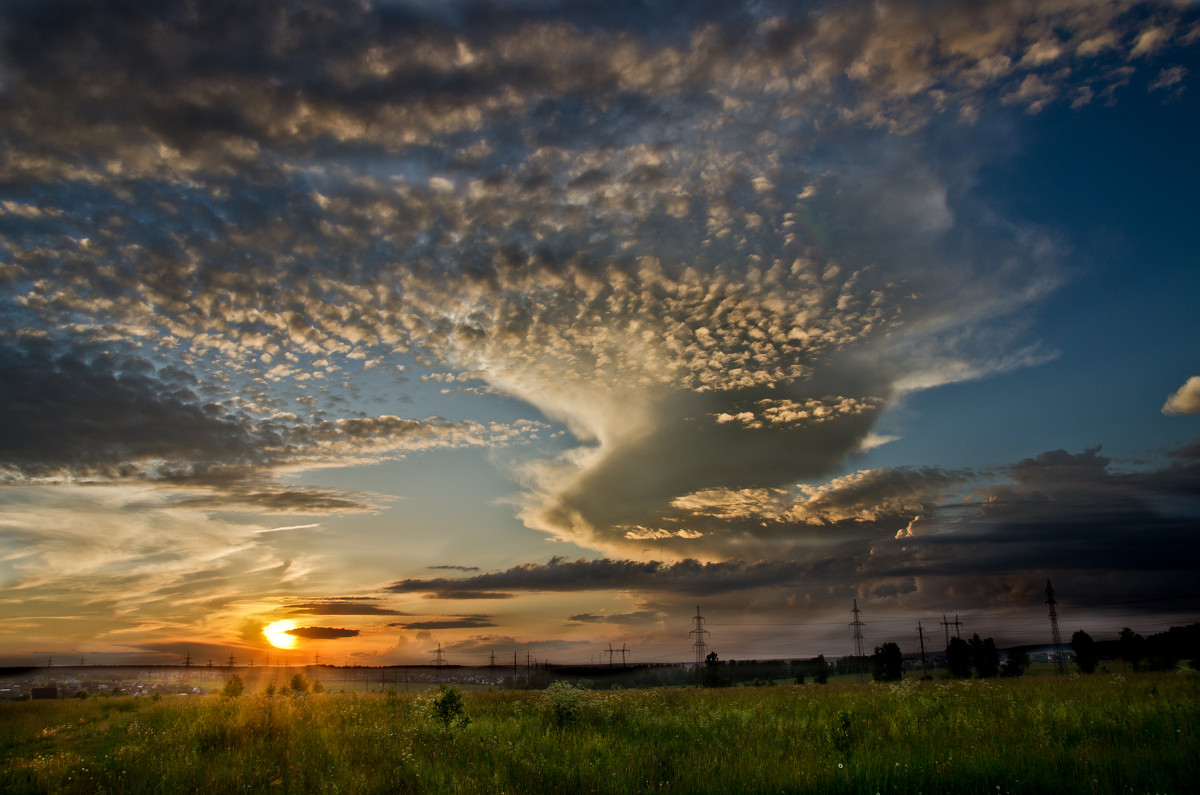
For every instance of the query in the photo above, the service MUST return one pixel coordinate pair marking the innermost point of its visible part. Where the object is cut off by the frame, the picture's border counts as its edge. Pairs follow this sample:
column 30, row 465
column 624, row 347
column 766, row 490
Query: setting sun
column 277, row 634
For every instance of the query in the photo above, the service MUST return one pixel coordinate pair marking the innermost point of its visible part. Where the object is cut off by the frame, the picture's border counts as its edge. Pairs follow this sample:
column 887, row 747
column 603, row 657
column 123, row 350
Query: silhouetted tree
column 1132, row 646
column 299, row 683
column 985, row 657
column 958, row 658
column 821, row 670
column 1086, row 655
column 710, row 676
column 887, row 663
column 798, row 672
column 1016, row 663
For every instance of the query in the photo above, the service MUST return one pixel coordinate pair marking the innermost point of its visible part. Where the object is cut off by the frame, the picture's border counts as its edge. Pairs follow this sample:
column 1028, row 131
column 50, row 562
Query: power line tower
column 921, row 632
column 187, row 663
column 623, row 650
column 492, row 659
column 857, row 626
column 700, row 647
column 1060, row 662
column 439, row 659
column 229, row 662
column 947, row 624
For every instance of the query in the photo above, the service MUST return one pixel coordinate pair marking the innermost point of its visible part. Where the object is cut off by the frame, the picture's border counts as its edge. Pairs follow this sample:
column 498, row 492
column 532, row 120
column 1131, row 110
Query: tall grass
column 1093, row 734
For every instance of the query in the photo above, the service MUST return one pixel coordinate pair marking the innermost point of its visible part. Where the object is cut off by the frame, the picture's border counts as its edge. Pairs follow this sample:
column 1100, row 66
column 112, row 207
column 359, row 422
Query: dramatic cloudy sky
column 531, row 325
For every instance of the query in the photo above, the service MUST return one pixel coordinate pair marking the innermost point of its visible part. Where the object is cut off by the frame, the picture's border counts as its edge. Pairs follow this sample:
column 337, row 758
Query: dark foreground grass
column 1099, row 734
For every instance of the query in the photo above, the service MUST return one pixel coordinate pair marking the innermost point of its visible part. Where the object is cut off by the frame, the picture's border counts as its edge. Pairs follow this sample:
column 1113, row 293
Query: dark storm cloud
column 562, row 575
column 454, row 568
column 1062, row 513
column 322, row 633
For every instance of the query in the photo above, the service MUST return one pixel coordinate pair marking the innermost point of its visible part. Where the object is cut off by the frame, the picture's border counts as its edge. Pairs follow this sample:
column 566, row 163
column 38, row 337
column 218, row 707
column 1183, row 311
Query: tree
column 958, row 658
column 234, row 687
column 798, row 672
column 887, row 663
column 299, row 683
column 1132, row 646
column 448, row 707
column 1086, row 654
column 710, row 676
column 821, row 670
column 1016, row 663
column 985, row 657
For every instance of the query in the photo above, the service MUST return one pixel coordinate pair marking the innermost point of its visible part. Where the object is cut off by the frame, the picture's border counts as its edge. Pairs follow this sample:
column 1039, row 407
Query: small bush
column 300, row 683
column 234, row 687
column 448, row 707
column 562, row 703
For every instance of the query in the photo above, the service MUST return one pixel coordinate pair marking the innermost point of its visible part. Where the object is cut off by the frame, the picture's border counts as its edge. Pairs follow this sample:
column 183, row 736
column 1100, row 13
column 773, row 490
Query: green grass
column 1103, row 734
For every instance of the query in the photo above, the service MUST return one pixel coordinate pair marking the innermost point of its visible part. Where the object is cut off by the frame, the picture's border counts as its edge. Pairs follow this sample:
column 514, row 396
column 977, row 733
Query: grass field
column 1105, row 734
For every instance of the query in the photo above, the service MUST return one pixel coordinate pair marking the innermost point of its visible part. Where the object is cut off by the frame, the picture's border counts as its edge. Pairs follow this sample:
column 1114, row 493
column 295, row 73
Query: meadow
column 1099, row 734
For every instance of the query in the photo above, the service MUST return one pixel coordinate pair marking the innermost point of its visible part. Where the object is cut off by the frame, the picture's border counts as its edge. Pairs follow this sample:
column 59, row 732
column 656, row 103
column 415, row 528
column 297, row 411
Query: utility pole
column 623, row 650
column 187, row 662
column 700, row 647
column 921, row 632
column 610, row 654
column 1060, row 663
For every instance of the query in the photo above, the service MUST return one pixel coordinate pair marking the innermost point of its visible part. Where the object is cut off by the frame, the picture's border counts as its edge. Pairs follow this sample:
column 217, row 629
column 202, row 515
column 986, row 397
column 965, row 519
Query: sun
column 277, row 634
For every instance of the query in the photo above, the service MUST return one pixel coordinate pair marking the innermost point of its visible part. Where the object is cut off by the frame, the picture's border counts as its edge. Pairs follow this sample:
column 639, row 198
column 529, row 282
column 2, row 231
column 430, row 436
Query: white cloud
column 1185, row 400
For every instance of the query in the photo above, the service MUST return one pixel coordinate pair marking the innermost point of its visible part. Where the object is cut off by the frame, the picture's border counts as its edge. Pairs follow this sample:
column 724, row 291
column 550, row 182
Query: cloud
column 561, row 575
column 1061, row 514
column 476, row 621
column 615, row 618
column 714, row 241
column 341, row 608
column 454, row 568
column 1186, row 400
column 321, row 633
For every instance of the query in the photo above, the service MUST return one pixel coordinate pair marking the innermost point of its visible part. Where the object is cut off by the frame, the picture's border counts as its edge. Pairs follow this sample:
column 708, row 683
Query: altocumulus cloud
column 636, row 219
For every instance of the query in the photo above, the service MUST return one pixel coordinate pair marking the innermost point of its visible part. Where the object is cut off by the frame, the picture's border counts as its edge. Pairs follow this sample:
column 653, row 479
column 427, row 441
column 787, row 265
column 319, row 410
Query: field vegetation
column 1104, row 733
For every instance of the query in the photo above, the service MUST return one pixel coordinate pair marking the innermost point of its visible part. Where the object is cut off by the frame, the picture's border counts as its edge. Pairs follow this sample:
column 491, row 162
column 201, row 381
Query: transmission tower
column 230, row 661
column 947, row 624
column 700, row 647
column 857, row 626
column 1060, row 662
column 439, row 659
column 492, row 660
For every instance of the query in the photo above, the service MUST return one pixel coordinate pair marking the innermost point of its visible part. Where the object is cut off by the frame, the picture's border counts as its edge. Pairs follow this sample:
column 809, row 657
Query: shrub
column 299, row 683
column 234, row 687
column 562, row 703
column 448, row 707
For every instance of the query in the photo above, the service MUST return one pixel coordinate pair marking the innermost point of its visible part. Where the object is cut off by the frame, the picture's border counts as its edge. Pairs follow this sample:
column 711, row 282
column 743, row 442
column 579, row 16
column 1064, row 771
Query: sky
column 533, row 326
